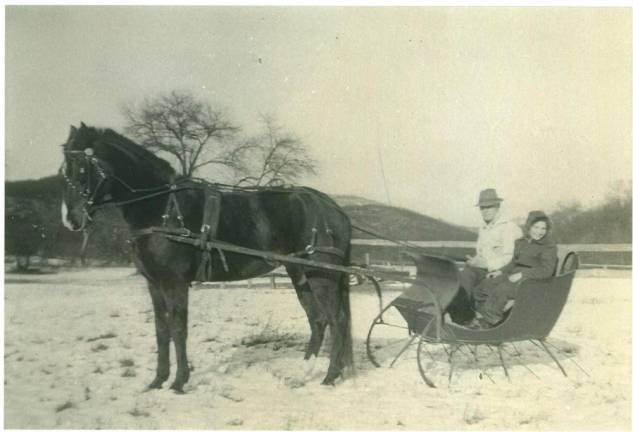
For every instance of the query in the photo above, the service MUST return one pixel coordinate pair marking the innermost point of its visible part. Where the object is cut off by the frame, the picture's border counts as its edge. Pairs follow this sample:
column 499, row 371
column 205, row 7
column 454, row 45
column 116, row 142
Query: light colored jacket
column 495, row 244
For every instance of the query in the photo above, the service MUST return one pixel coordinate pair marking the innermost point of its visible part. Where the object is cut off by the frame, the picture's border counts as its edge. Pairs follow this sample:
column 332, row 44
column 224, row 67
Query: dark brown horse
column 102, row 167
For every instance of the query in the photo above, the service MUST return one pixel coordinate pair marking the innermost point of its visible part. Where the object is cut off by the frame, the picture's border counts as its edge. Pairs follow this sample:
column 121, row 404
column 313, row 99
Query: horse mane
column 136, row 153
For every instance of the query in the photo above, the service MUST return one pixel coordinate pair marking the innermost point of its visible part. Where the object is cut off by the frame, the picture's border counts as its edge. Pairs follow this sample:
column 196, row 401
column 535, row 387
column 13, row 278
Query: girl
column 535, row 257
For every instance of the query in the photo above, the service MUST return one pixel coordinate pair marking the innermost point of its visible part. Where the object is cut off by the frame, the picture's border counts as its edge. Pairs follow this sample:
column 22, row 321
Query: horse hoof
column 177, row 388
column 328, row 381
column 330, row 378
column 155, row 385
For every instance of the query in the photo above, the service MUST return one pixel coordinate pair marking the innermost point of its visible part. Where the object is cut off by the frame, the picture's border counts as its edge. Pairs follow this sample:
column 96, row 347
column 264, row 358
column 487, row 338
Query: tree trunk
column 23, row 263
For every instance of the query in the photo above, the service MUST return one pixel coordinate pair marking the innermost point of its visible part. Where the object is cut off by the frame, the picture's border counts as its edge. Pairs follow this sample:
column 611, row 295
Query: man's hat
column 488, row 197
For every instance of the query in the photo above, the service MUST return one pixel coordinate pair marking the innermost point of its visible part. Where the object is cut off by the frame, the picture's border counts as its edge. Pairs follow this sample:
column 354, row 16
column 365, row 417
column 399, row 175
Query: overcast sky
column 533, row 101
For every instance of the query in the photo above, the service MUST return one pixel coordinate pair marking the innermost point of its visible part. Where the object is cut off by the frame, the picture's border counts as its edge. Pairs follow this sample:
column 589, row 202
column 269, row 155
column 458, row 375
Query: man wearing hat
column 495, row 248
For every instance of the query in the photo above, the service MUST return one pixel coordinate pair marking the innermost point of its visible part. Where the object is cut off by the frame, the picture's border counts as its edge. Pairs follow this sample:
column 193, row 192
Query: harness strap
column 208, row 230
column 330, row 250
column 183, row 235
column 207, row 239
column 172, row 204
column 269, row 256
column 183, row 232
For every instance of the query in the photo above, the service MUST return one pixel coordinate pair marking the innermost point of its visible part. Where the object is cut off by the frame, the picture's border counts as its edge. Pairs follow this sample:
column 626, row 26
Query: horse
column 102, row 167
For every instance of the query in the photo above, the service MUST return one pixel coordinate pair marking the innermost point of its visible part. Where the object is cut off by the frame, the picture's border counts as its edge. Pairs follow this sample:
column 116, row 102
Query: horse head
column 101, row 166
column 85, row 176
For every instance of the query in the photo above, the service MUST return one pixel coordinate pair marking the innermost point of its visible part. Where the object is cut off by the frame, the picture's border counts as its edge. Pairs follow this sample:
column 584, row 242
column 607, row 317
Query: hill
column 393, row 222
column 403, row 224
column 400, row 223
column 608, row 223
column 109, row 234
column 37, row 202
column 353, row 200
column 46, row 189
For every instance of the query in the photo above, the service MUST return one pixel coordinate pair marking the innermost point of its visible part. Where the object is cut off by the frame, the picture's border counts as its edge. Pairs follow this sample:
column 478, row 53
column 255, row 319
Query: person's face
column 488, row 213
column 538, row 230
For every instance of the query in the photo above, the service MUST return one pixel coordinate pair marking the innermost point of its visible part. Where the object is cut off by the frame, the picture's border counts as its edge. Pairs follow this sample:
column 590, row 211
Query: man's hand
column 475, row 261
column 515, row 277
column 493, row 274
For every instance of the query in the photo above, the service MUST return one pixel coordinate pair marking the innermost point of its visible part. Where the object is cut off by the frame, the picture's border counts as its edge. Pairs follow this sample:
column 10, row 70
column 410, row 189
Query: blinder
column 83, row 174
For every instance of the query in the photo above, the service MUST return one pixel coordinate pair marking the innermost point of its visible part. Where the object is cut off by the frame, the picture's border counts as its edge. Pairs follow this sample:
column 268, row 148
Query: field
column 80, row 349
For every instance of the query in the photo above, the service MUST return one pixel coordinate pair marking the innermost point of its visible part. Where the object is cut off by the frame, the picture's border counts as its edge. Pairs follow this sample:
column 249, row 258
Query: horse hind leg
column 333, row 300
column 316, row 319
column 318, row 323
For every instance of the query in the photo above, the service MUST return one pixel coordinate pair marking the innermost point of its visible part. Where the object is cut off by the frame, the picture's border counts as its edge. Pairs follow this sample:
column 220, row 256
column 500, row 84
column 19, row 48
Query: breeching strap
column 208, row 231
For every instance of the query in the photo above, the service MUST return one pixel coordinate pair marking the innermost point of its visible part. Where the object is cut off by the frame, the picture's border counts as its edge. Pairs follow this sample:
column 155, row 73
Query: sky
column 535, row 102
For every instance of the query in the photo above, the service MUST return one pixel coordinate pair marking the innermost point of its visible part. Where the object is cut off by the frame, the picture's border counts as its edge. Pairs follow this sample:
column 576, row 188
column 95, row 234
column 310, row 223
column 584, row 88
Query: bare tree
column 190, row 130
column 274, row 157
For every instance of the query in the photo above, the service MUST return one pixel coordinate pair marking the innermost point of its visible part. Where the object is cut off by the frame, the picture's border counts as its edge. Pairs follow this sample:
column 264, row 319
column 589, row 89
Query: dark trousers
column 491, row 296
column 461, row 308
column 470, row 277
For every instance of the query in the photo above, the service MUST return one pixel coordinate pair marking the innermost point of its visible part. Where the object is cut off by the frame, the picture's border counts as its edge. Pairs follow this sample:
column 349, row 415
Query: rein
column 374, row 234
column 183, row 183
column 185, row 235
column 91, row 162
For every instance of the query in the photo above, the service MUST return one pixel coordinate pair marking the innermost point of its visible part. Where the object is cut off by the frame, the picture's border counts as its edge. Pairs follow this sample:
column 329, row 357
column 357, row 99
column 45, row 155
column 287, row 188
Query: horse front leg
column 161, row 321
column 178, row 311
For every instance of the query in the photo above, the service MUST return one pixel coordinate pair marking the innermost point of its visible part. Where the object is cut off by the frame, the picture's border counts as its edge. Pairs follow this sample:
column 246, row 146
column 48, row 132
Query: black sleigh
column 418, row 314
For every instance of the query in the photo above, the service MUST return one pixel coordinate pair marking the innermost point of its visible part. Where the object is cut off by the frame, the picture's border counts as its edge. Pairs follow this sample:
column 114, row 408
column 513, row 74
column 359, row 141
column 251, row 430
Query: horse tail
column 348, row 343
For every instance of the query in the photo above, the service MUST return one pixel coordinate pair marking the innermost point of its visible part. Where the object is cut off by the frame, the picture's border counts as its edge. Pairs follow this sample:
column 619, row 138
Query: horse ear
column 73, row 130
column 83, row 125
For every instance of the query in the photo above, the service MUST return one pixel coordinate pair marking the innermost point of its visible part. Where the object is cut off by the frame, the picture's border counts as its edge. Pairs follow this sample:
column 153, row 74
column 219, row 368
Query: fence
column 456, row 250
column 591, row 255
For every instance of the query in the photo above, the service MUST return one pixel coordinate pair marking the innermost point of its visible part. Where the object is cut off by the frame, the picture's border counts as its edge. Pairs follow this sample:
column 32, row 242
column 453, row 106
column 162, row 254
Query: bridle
column 84, row 164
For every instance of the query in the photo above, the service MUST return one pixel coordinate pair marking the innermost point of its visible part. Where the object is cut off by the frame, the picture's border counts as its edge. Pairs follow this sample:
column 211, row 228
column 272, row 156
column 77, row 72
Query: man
column 495, row 248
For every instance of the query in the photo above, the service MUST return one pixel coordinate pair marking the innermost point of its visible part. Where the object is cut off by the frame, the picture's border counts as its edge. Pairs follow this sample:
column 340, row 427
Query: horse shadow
column 273, row 352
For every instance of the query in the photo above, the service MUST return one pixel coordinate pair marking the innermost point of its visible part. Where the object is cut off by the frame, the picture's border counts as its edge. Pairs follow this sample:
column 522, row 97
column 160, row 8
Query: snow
column 80, row 350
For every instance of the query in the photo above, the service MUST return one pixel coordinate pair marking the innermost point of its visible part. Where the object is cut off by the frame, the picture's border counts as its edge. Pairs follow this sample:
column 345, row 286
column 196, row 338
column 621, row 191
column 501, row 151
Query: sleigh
column 419, row 315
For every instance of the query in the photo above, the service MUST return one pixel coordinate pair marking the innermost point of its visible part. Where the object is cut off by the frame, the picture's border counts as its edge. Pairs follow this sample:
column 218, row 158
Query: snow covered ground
column 80, row 349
